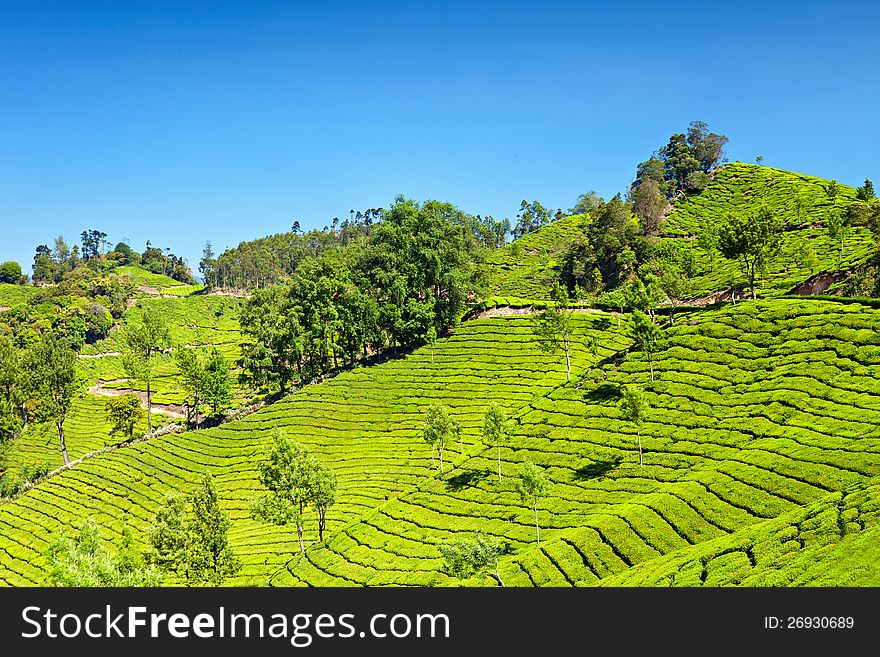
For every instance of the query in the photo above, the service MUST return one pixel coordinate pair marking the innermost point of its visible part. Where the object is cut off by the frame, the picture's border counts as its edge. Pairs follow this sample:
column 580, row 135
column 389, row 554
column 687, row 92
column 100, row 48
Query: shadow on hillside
column 603, row 393
column 466, row 479
column 597, row 469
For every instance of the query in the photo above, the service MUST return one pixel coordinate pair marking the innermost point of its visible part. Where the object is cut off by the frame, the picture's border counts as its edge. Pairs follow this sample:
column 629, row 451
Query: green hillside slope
column 759, row 411
column 364, row 424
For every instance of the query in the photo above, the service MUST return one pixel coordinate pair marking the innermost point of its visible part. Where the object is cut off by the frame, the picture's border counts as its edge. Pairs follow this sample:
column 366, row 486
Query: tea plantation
column 761, row 460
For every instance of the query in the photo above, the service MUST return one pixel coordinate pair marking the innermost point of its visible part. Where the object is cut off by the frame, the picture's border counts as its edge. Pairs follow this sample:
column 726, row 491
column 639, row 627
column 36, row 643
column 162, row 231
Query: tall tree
column 189, row 536
column 554, row 325
column 532, row 487
column 54, row 381
column 438, row 428
column 634, row 408
column 751, row 239
column 143, row 341
column 287, row 474
column 211, row 557
column 496, row 429
column 324, row 489
column 648, row 205
column 646, row 337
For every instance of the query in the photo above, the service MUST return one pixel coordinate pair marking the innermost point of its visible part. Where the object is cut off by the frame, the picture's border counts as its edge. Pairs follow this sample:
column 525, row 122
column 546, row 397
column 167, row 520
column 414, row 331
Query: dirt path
column 101, row 355
column 101, row 390
column 507, row 311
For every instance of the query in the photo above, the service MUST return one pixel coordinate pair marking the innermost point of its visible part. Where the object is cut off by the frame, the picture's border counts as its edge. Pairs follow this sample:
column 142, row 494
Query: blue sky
column 182, row 122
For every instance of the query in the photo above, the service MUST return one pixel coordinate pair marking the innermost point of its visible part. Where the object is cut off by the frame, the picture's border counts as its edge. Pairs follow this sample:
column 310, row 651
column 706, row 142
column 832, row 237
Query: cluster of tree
column 38, row 383
column 414, row 271
column 294, row 480
column 682, row 165
column 189, row 537
column 533, row 216
column 10, row 272
column 56, row 264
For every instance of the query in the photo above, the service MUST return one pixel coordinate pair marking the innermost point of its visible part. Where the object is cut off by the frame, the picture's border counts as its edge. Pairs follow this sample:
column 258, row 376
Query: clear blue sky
column 180, row 122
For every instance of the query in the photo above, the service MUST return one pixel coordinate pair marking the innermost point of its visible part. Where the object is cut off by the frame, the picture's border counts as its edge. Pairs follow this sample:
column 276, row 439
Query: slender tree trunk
column 299, row 532
column 651, row 365
column 321, row 520
column 620, row 315
column 499, row 462
column 567, row 361
column 498, row 577
column 639, row 432
column 60, row 426
column 196, row 411
column 840, row 255
column 440, row 449
column 149, row 408
column 537, row 529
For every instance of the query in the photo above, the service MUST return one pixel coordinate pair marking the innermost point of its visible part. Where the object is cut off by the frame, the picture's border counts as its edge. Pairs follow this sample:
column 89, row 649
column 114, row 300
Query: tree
column 586, row 203
column 189, row 536
column 496, row 429
column 438, row 428
column 10, row 272
column 124, row 412
column 144, row 340
column 13, row 384
column 431, row 339
column 288, row 475
column 646, row 336
column 648, row 205
column 865, row 192
column 553, row 326
column 217, row 390
column 193, row 380
column 751, row 240
column 52, row 369
column 634, row 408
column 208, row 265
column 324, row 489
column 531, row 217
column 532, row 487
column 211, row 559
column 82, row 560
column 467, row 556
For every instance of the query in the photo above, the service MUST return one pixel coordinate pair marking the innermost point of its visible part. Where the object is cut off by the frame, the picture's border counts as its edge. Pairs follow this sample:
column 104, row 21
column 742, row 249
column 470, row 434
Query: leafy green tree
column 13, row 380
column 646, row 337
column 586, row 203
column 218, row 381
column 431, row 339
column 54, row 383
column 532, row 487
column 759, row 159
column 554, row 325
column 634, row 408
column 752, row 240
column 467, row 556
column 10, row 272
column 190, row 537
column 288, row 475
column 531, row 217
column 865, row 193
column 496, row 429
column 82, row 561
column 211, row 558
column 648, row 205
column 438, row 428
column 143, row 341
column 124, row 412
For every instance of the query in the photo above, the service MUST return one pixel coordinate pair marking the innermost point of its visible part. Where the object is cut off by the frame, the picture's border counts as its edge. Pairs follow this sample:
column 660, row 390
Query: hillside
column 524, row 270
column 760, row 411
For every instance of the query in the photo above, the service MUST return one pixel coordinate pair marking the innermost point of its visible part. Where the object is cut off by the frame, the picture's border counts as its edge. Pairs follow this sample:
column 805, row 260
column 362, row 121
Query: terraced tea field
column 762, row 456
column 363, row 423
column 527, row 268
